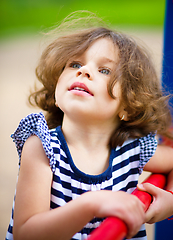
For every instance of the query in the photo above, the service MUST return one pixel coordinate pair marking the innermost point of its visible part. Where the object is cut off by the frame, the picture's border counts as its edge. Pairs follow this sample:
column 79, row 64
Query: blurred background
column 28, row 16
column 21, row 25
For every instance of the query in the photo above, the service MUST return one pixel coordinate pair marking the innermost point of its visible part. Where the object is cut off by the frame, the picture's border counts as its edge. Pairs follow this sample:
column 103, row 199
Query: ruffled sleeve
column 148, row 145
column 34, row 124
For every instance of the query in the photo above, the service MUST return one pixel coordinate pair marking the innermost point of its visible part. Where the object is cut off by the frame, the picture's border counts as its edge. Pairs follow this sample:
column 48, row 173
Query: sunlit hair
column 141, row 89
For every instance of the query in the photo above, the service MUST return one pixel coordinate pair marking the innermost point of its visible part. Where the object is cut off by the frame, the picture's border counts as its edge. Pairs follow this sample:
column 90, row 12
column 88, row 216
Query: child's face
column 81, row 90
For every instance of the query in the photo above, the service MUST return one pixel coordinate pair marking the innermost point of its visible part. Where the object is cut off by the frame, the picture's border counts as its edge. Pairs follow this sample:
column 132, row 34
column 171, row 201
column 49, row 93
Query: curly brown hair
column 146, row 105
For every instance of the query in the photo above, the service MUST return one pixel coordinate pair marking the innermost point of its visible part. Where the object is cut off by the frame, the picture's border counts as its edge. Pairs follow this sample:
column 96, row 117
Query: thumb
column 148, row 187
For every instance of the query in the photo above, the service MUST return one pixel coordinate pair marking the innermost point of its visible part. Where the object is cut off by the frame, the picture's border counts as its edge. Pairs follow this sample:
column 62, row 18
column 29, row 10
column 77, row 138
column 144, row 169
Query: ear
column 123, row 115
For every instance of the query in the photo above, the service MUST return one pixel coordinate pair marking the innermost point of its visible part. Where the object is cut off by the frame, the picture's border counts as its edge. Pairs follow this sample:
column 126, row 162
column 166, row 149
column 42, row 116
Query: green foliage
column 36, row 15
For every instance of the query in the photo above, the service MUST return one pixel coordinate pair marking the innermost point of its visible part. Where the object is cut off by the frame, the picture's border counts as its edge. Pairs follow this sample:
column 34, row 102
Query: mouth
column 80, row 87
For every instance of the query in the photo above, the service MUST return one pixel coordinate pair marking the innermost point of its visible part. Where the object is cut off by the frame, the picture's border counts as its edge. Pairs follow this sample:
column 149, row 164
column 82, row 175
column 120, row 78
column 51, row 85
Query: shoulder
column 34, row 154
column 33, row 146
column 148, row 145
column 33, row 136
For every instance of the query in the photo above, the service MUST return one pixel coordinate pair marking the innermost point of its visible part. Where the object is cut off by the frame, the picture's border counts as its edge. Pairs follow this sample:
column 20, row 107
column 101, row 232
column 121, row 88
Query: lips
column 81, row 87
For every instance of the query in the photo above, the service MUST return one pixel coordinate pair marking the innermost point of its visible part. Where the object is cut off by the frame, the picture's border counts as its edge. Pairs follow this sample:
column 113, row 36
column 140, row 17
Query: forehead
column 103, row 49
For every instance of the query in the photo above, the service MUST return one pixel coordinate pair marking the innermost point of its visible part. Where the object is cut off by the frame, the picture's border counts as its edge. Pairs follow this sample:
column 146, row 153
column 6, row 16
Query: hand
column 119, row 204
column 162, row 205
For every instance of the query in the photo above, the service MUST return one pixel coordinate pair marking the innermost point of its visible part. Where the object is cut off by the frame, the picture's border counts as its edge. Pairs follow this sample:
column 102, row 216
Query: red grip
column 114, row 228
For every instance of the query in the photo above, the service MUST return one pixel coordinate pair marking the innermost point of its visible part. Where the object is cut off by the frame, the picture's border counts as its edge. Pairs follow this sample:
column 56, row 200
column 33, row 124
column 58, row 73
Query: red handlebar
column 114, row 228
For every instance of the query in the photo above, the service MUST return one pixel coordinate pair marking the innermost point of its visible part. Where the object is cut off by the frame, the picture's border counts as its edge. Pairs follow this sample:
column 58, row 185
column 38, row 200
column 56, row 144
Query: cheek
column 57, row 93
column 60, row 90
column 117, row 91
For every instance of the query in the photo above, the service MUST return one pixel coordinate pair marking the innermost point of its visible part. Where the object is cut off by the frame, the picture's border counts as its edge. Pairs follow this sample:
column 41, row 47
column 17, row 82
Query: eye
column 105, row 71
column 75, row 65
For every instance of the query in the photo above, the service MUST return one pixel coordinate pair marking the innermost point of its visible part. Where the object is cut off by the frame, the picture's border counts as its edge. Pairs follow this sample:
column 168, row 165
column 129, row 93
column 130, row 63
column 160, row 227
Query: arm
column 34, row 220
column 162, row 205
column 162, row 161
column 32, row 216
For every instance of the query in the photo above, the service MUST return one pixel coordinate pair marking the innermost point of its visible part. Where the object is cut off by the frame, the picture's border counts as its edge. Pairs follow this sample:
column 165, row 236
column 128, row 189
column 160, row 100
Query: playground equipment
column 163, row 229
column 114, row 228
column 167, row 64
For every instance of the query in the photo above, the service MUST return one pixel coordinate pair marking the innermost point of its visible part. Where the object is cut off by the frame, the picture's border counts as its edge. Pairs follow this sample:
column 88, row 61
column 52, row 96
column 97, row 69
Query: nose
column 85, row 72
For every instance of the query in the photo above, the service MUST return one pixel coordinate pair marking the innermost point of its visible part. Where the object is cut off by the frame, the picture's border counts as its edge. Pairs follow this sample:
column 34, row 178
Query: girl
column 103, row 104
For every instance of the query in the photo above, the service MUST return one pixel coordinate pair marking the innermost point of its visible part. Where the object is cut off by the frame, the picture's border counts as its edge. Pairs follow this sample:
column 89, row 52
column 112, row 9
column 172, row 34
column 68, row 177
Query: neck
column 88, row 144
column 88, row 135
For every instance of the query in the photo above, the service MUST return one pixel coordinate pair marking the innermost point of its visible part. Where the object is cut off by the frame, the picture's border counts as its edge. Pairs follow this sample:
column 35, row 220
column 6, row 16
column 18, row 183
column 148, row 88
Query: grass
column 35, row 15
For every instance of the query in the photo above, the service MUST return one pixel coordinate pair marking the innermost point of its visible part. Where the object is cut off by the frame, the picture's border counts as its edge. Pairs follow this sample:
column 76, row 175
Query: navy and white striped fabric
column 125, row 165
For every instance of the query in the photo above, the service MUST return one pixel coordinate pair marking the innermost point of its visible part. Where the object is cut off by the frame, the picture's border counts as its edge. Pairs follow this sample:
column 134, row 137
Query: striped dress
column 125, row 165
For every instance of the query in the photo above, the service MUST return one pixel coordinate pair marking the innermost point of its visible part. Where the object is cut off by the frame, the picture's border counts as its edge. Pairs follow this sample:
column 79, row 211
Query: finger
column 149, row 215
column 153, row 190
column 147, row 187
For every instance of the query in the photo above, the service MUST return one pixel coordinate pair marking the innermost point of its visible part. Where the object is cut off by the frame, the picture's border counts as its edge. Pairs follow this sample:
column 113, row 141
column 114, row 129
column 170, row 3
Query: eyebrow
column 105, row 59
